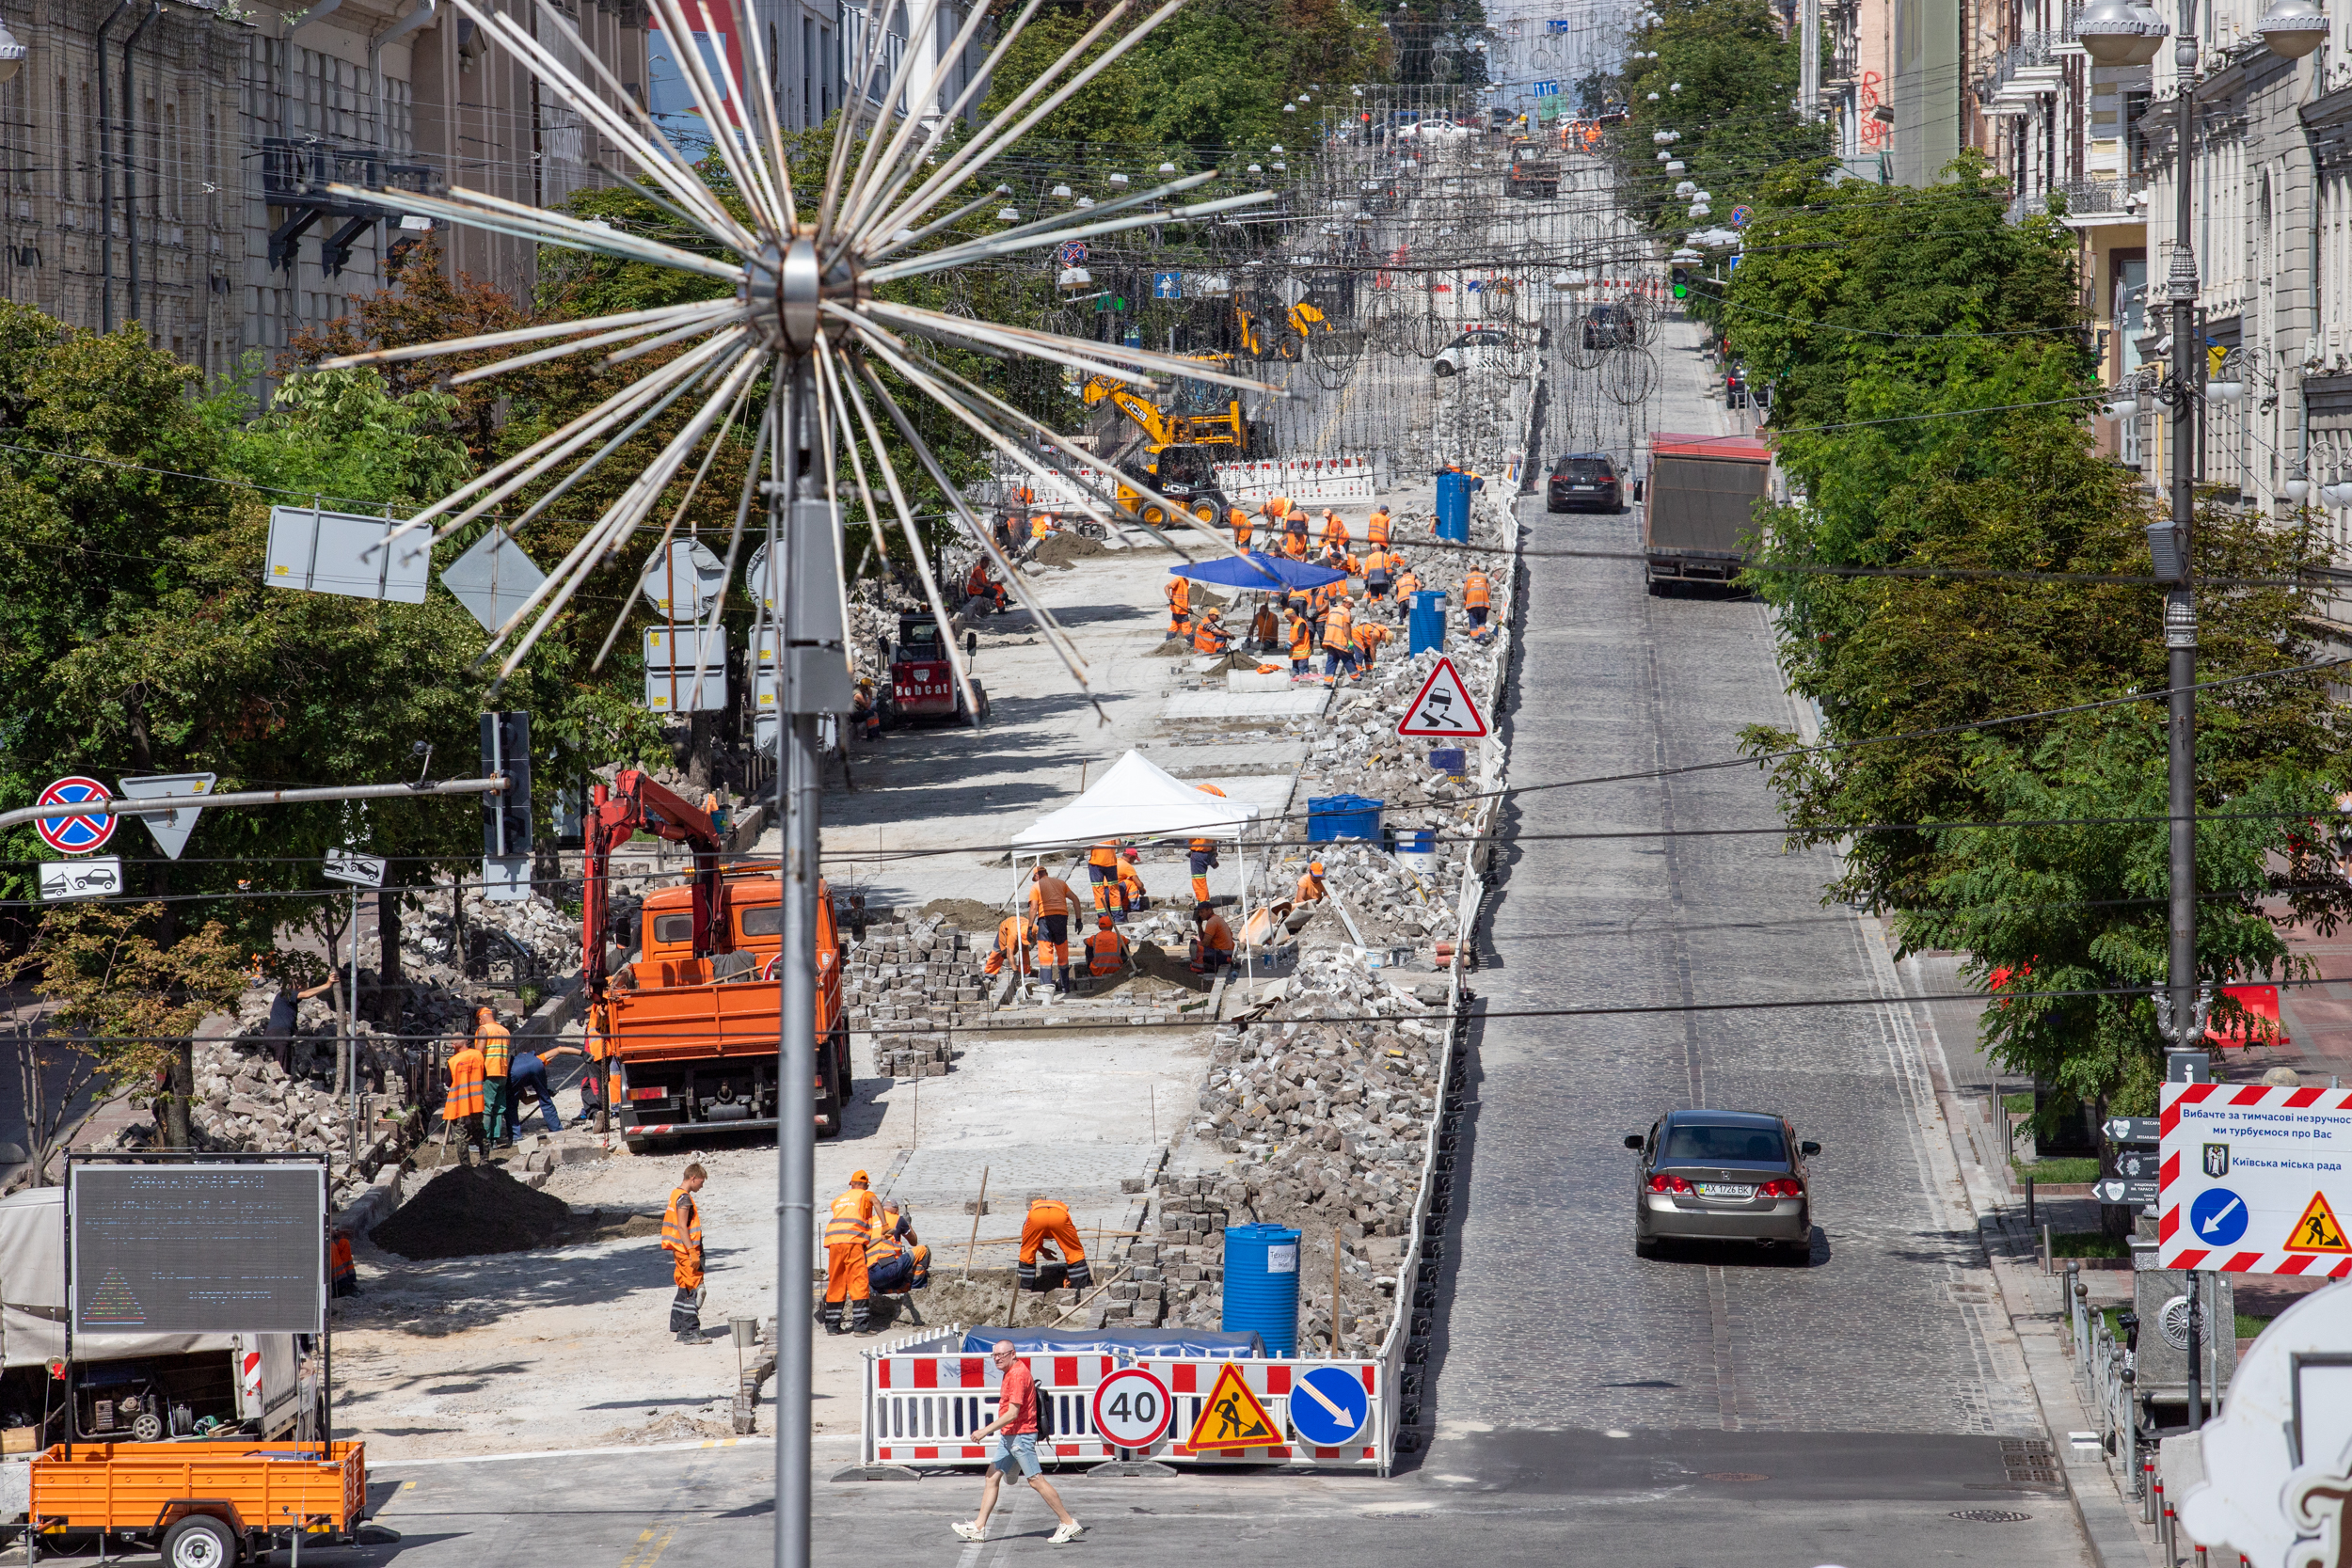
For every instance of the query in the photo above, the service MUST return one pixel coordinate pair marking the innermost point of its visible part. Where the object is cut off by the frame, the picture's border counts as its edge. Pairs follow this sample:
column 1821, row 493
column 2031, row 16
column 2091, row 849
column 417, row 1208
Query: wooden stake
column 977, row 1210
column 1335, row 1292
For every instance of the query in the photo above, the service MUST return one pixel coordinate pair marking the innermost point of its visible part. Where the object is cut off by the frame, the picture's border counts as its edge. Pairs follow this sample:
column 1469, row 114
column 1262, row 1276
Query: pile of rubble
column 907, row 981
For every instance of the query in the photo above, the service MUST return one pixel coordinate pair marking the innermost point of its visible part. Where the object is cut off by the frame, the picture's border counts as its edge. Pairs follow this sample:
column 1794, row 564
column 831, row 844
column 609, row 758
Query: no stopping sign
column 1132, row 1408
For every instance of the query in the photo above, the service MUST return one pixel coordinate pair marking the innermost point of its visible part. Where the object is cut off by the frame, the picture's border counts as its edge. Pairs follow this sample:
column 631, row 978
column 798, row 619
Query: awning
column 1136, row 799
column 1262, row 573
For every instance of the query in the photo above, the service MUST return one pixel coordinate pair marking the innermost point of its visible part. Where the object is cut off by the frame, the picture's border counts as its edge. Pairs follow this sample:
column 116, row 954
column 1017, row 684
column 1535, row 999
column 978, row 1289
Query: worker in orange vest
column 1050, row 902
column 498, row 1056
column 1179, row 607
column 1339, row 648
column 1209, row 636
column 1302, row 643
column 1103, row 873
column 1310, row 888
column 1368, row 636
column 462, row 1105
column 1130, row 893
column 682, row 1239
column 1013, row 945
column 1239, row 519
column 1406, row 586
column 1203, row 859
column 1334, row 530
column 1477, row 598
column 1295, row 546
column 1048, row 1220
column 1378, row 566
column 1107, row 950
column 1041, row 528
column 896, row 1261
column 851, row 1225
column 1213, row 947
column 1266, row 628
column 1295, row 521
column 342, row 1275
column 982, row 585
column 1377, row 529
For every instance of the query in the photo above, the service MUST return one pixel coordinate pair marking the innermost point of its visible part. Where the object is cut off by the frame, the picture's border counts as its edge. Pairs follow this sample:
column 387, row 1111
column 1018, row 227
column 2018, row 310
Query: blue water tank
column 1454, row 489
column 1424, row 622
column 1331, row 817
column 1262, row 1285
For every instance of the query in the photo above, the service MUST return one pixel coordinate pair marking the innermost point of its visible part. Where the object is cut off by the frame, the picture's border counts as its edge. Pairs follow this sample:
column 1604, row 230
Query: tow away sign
column 2255, row 1180
column 1442, row 710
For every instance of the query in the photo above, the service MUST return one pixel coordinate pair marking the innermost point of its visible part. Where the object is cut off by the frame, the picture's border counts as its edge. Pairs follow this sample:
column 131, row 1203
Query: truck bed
column 133, row 1486
column 1699, row 504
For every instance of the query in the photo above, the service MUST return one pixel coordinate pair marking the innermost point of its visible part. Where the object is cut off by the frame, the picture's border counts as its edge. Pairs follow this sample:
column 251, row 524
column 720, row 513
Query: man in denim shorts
column 1016, row 1448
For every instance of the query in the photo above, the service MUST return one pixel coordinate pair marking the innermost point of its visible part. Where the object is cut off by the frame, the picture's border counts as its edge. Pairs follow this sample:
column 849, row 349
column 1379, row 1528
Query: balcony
column 2086, row 202
column 2022, row 74
column 296, row 174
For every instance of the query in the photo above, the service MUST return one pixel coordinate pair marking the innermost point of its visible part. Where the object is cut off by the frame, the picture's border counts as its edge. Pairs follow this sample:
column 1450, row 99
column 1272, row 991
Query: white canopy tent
column 1135, row 799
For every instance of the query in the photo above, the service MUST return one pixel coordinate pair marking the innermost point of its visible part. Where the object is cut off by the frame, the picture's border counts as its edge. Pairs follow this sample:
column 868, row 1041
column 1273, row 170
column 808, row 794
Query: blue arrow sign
column 2218, row 1216
column 1328, row 1405
column 1168, row 285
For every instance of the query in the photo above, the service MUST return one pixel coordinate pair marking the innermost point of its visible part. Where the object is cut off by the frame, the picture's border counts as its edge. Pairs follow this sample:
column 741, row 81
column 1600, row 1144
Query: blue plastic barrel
column 1454, row 489
column 1424, row 623
column 1331, row 817
column 1262, row 1285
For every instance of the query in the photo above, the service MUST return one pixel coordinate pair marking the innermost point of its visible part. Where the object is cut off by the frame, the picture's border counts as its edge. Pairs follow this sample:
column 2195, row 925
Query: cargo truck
column 1698, row 502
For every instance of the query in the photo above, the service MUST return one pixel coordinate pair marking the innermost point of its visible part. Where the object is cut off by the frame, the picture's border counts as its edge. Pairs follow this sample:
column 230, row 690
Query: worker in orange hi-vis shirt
column 848, row 1230
column 1334, row 530
column 1368, row 636
column 1048, row 1220
column 1377, row 529
column 1477, row 600
column 1295, row 546
column 1130, row 893
column 682, row 1239
column 1103, row 873
column 1302, row 643
column 1179, row 592
column 1240, row 521
column 1050, row 902
column 1310, row 888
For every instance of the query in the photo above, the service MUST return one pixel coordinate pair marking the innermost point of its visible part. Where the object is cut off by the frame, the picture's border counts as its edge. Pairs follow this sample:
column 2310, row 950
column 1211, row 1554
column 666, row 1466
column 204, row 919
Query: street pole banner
column 2255, row 1180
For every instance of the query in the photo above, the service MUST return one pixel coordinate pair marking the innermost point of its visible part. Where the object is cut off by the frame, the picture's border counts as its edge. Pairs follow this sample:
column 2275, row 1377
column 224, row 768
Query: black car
column 1610, row 327
column 1585, row 482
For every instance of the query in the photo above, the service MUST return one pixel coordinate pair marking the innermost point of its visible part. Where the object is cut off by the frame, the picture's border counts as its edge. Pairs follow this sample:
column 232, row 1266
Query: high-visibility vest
column 497, row 1048
column 1278, row 507
column 1474, row 589
column 885, row 1247
column 1105, row 854
column 341, row 1266
column 1217, row 934
column 1208, row 638
column 1130, row 884
column 1335, row 626
column 1106, row 952
column 682, row 1223
column 1179, row 595
column 1302, row 637
column 1295, row 546
column 1040, row 526
column 1049, row 897
column 1204, row 847
column 853, row 1221
column 1370, row 636
column 975, row 586
column 1013, row 934
column 1407, row 583
column 1377, row 529
column 1376, row 566
column 1333, row 529
column 465, row 1085
column 1240, row 520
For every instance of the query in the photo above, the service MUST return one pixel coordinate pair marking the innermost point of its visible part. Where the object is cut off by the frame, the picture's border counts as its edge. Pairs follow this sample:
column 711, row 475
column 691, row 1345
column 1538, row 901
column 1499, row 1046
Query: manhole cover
column 2014, row 1484
column 1992, row 1516
column 1734, row 1475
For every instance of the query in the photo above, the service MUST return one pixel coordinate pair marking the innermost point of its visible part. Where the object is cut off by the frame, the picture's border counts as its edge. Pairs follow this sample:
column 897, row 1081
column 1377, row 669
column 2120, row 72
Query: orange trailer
column 203, row 1505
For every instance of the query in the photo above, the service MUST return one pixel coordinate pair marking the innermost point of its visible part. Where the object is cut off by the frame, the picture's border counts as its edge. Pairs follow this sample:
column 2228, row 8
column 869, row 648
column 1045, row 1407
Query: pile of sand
column 966, row 914
column 1060, row 549
column 468, row 1211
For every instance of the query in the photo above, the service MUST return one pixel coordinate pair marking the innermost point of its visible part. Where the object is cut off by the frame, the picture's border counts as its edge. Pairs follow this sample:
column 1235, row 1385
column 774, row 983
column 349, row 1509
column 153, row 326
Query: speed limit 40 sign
column 1132, row 1408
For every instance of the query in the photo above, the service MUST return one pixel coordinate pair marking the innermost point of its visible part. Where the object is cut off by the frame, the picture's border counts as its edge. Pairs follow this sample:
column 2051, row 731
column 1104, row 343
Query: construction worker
column 1048, row 1220
column 897, row 1262
column 1204, row 854
column 1302, row 634
column 597, row 1044
column 682, row 1239
column 461, row 1107
column 1240, row 520
column 1209, row 635
column 1266, row 628
column 851, row 1226
column 865, row 713
column 1050, row 902
column 1295, row 521
column 1368, row 636
column 1334, row 530
column 982, row 585
column 1376, row 529
column 1107, row 950
column 343, row 1276
column 1130, row 893
column 1295, row 546
column 1103, row 873
column 497, row 1054
column 1278, row 510
column 1012, row 944
column 1310, row 888
column 1213, row 944
column 1179, row 607
column 1339, row 648
column 1041, row 528
column 1477, row 598
column 1378, row 567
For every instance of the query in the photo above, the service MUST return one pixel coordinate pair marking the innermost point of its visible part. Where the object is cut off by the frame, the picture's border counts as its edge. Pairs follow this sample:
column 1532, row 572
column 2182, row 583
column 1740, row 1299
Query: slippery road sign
column 1442, row 710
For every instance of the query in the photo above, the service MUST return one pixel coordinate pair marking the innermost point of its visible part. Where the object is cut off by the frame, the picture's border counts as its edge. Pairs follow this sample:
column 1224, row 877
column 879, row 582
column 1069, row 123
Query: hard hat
column 857, row 1176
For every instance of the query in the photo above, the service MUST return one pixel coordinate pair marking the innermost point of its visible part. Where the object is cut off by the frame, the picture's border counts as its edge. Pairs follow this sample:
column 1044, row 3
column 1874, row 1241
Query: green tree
column 1724, row 81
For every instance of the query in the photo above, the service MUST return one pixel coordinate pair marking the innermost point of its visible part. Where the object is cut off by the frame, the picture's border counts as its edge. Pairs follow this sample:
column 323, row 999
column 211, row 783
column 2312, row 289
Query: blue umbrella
column 1258, row 571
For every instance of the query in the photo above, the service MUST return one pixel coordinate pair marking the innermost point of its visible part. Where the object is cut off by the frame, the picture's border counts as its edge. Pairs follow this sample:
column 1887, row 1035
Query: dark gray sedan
column 1726, row 1176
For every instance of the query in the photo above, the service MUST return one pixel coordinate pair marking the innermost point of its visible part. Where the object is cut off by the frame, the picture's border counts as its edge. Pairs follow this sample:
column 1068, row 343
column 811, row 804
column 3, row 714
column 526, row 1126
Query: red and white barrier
column 1312, row 481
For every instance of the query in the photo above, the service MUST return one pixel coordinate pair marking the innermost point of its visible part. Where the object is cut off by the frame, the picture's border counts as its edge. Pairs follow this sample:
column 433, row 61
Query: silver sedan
column 1736, row 1176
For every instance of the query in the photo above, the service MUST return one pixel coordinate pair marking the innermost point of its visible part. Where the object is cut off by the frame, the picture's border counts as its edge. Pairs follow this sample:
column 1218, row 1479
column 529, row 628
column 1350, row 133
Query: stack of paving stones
column 909, row 982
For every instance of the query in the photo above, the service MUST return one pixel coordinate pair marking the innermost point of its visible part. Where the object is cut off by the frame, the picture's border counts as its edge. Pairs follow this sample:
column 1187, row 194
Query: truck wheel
column 199, row 1541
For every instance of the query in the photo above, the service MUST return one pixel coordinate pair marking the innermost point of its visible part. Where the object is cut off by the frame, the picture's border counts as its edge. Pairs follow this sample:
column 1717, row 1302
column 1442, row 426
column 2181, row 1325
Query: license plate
column 1726, row 1188
column 1583, row 487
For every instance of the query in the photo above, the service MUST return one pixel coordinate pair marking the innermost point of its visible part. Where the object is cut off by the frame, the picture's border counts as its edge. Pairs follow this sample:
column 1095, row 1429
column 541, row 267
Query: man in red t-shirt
column 1016, row 1448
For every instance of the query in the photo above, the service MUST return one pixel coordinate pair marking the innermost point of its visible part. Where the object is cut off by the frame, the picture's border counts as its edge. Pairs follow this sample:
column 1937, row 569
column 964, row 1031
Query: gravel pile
column 471, row 1210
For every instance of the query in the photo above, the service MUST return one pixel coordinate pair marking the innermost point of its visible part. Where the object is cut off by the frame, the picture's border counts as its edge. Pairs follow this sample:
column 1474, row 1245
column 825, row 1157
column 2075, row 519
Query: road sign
column 1168, row 285
column 1232, row 1417
column 506, row 878
column 73, row 835
column 1442, row 709
column 1328, row 1405
column 2139, row 1164
column 1071, row 254
column 349, row 865
column 683, row 582
column 2135, row 1129
column 171, row 829
column 1132, row 1408
column 96, row 877
column 493, row 578
column 2256, row 1179
column 2114, row 1189
column 1739, row 215
column 346, row 552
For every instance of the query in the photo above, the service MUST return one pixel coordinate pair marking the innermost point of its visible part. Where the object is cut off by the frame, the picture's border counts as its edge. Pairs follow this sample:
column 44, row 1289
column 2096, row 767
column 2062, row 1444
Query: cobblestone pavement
column 1892, row 1324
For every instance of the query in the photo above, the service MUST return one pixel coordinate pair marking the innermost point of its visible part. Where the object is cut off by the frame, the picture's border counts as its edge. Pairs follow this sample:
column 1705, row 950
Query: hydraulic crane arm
column 1156, row 426
column 633, row 803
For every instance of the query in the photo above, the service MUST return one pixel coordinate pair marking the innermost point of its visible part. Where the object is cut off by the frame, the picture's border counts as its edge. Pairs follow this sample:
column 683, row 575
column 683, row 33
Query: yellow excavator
column 1264, row 338
column 1176, row 450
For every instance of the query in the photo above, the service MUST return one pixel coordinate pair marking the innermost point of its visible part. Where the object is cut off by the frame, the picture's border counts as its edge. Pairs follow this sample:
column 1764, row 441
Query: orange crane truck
column 692, row 1024
column 201, row 1504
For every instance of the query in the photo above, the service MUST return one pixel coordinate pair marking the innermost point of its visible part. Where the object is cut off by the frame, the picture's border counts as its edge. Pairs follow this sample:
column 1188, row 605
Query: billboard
column 201, row 1249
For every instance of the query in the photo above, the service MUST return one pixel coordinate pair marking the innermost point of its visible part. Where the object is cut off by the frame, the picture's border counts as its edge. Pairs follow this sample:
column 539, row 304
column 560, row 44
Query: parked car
column 1584, row 481
column 1721, row 1176
column 1610, row 327
column 1474, row 349
column 1435, row 129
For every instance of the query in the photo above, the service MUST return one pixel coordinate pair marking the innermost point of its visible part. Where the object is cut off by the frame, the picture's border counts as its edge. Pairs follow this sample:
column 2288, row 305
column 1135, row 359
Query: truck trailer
column 1698, row 506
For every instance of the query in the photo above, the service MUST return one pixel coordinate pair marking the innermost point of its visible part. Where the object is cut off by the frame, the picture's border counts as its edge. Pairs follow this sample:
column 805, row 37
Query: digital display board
column 209, row 1248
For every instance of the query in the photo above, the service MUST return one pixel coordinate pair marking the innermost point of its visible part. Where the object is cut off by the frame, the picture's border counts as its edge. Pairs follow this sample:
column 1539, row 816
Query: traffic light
column 506, row 818
column 1682, row 282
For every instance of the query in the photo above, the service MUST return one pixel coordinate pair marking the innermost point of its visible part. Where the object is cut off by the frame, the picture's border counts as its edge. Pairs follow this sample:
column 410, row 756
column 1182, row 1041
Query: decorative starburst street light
column 805, row 314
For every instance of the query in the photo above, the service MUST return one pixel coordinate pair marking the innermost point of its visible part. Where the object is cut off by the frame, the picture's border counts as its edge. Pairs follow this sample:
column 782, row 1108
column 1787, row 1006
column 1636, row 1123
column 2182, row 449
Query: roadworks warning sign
column 1232, row 1417
column 2318, row 1230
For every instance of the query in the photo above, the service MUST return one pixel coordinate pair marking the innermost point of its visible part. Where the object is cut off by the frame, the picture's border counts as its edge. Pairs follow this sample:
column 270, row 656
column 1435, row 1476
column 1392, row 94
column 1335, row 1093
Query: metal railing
column 2101, row 1364
column 2035, row 50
